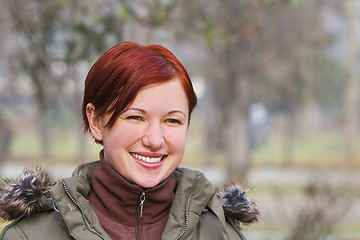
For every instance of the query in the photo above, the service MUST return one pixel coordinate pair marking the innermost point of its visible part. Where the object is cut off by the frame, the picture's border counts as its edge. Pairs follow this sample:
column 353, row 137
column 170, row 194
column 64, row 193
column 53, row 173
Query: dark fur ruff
column 25, row 195
column 237, row 206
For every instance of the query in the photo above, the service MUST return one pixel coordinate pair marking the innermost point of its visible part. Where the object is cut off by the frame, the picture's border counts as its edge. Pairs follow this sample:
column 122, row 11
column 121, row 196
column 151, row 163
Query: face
column 147, row 141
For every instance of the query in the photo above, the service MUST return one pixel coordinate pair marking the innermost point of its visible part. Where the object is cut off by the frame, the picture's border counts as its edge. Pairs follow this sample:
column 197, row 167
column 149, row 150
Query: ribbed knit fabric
column 115, row 201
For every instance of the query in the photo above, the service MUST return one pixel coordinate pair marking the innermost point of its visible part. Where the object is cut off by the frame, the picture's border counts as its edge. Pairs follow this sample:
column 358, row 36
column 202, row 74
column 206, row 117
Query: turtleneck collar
column 115, row 200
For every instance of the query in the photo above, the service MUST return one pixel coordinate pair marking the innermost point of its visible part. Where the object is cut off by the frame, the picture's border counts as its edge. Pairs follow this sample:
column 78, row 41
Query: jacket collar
column 194, row 194
column 70, row 198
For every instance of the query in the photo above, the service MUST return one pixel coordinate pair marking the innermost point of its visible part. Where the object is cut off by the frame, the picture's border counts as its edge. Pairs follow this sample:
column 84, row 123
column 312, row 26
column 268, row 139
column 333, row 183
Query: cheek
column 177, row 141
column 122, row 135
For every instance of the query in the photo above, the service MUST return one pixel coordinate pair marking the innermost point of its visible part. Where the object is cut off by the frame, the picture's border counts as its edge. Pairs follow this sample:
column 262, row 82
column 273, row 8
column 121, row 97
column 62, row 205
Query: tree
column 263, row 51
column 230, row 29
column 64, row 33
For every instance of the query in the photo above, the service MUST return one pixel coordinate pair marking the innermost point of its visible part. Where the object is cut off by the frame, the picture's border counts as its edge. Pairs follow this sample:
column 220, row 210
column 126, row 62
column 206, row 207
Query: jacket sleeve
column 12, row 233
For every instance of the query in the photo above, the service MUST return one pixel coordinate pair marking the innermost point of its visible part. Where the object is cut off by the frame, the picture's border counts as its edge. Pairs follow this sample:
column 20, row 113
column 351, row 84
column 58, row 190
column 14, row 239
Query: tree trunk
column 237, row 152
column 6, row 135
column 289, row 137
column 211, row 125
column 237, row 149
column 351, row 93
column 44, row 133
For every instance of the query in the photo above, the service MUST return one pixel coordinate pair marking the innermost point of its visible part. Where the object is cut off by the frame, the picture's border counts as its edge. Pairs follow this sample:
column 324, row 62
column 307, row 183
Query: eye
column 173, row 121
column 135, row 117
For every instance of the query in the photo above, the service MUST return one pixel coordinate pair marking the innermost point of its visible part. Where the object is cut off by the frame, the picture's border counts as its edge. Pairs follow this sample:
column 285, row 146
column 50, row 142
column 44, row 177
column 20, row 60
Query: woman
column 137, row 103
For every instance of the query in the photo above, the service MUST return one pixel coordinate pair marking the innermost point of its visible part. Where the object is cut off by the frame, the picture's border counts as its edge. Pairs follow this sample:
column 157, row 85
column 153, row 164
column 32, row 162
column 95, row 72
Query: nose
column 153, row 137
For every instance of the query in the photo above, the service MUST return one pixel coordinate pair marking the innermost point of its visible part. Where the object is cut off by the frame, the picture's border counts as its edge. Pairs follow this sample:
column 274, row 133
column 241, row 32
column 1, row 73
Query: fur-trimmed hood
column 237, row 206
column 30, row 193
column 25, row 195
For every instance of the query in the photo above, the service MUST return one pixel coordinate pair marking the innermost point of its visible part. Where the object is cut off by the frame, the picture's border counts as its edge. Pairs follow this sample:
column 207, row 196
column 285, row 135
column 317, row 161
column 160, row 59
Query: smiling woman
column 156, row 133
column 137, row 104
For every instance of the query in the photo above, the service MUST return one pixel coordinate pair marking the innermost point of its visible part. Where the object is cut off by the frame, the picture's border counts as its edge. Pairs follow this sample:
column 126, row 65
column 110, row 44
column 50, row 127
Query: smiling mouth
column 147, row 159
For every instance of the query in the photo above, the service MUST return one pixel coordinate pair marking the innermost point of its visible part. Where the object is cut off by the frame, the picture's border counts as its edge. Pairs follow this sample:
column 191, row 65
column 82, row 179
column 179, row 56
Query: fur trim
column 26, row 195
column 237, row 206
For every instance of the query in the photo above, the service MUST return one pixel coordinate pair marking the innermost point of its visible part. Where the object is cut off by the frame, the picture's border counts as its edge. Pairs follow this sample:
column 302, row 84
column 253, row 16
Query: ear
column 94, row 122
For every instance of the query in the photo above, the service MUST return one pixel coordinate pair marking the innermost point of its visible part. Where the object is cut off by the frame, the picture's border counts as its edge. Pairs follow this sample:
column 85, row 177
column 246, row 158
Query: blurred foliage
column 285, row 54
column 273, row 52
column 322, row 208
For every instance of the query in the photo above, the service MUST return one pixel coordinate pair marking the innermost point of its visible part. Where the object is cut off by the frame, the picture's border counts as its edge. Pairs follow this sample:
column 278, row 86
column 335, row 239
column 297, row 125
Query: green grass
column 310, row 150
column 25, row 144
column 63, row 146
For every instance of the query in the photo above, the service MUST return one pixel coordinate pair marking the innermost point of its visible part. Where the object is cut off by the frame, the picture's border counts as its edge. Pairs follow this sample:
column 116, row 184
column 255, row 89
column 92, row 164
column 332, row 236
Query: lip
column 151, row 155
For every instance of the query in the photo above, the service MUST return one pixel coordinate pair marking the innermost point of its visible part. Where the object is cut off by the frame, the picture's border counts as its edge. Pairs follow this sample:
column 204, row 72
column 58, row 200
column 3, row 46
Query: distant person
column 137, row 104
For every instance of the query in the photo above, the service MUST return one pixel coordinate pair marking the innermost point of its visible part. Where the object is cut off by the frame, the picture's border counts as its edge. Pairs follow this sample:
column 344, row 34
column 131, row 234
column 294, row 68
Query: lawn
column 311, row 150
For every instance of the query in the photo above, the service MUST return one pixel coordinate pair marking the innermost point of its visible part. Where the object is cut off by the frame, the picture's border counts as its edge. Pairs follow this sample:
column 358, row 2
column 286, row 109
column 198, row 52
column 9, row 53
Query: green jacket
column 63, row 211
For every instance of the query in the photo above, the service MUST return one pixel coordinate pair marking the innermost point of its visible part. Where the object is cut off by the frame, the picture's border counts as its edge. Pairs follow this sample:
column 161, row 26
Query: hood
column 25, row 195
column 237, row 206
column 30, row 193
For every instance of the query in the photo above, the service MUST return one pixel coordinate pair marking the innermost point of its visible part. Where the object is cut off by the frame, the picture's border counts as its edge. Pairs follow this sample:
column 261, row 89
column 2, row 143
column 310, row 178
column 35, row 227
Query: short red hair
column 117, row 76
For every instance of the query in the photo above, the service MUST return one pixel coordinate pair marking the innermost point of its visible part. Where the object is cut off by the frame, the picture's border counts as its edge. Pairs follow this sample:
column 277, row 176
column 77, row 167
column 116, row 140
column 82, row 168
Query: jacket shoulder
column 235, row 204
column 219, row 213
column 210, row 227
column 45, row 225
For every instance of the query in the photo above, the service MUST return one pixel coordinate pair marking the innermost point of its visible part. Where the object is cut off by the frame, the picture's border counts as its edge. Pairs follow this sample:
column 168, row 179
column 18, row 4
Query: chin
column 148, row 183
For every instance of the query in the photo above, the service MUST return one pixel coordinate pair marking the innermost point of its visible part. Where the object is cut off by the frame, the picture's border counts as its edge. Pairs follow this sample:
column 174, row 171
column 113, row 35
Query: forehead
column 170, row 94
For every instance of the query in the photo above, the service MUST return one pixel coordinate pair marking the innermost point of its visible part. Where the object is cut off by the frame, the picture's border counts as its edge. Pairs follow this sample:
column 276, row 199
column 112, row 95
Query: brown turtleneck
column 115, row 202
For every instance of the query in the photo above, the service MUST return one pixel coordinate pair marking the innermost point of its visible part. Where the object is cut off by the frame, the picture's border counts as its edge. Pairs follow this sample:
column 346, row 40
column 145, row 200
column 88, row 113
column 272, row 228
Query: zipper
column 86, row 222
column 187, row 205
column 139, row 215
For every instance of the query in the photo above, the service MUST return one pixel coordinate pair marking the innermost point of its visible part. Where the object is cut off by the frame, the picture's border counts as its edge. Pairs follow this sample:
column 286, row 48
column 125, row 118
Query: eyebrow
column 177, row 111
column 143, row 111
column 135, row 109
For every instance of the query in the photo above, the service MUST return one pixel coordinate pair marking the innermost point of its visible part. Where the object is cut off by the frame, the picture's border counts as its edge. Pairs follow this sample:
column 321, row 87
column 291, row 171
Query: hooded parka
column 63, row 211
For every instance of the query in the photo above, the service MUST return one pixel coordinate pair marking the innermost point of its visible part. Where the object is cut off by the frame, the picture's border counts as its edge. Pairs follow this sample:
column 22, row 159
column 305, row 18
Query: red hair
column 117, row 76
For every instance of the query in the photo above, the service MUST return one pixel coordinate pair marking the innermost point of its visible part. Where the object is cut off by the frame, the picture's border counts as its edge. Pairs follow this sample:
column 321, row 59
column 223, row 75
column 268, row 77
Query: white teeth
column 146, row 159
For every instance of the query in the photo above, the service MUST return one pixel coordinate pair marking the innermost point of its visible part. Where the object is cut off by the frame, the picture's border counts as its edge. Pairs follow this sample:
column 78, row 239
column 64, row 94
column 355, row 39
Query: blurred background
column 278, row 88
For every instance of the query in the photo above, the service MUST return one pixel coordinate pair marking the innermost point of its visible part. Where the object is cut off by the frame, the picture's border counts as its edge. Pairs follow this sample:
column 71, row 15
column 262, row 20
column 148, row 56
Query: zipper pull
column 142, row 200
